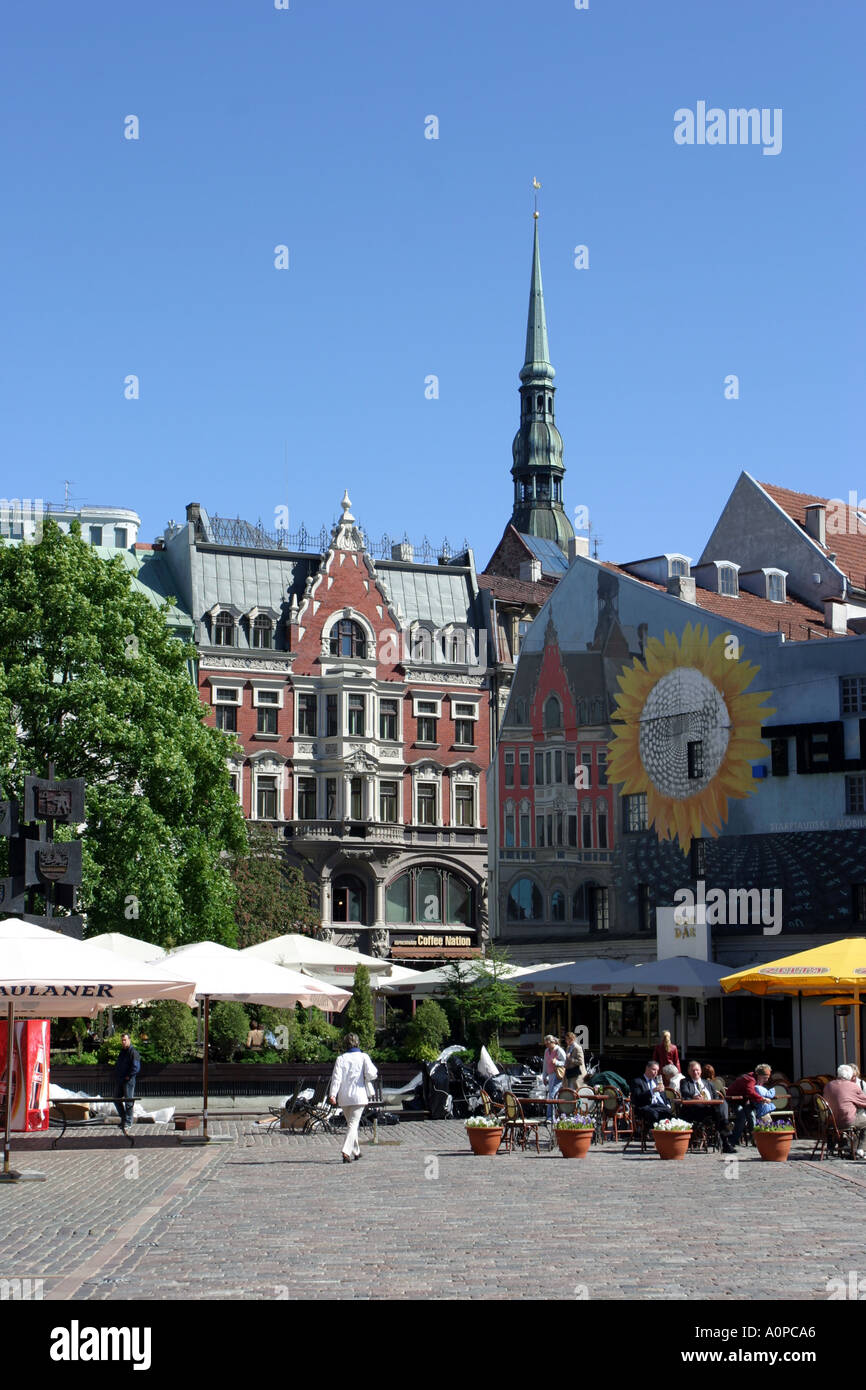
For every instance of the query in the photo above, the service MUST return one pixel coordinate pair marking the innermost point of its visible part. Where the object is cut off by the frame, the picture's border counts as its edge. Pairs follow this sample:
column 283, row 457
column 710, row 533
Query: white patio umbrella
column 321, row 958
column 221, row 973
column 436, row 981
column 130, row 946
column 43, row 973
column 591, row 976
column 685, row 977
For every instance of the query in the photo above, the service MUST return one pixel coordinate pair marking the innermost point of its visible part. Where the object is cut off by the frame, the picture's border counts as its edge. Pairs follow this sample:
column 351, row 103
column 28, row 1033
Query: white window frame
column 267, row 688
column 319, row 695
column 366, row 698
column 464, row 779
column 398, row 701
column 377, row 789
column 777, row 574
column 429, row 700
column 237, row 687
column 425, row 772
column 258, row 770
column 297, row 778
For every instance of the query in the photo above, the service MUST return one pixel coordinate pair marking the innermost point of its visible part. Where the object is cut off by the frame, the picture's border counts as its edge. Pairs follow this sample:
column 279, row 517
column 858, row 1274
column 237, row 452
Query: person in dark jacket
column 695, row 1087
column 126, row 1069
column 648, row 1097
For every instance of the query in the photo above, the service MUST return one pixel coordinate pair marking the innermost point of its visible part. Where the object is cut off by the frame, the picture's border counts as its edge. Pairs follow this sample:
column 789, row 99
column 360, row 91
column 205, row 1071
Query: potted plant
column 672, row 1138
column 773, row 1139
column 485, row 1134
column 574, row 1135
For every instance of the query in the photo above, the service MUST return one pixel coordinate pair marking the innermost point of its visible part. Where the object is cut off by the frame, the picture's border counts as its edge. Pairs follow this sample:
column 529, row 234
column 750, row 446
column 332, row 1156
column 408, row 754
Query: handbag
column 560, row 1072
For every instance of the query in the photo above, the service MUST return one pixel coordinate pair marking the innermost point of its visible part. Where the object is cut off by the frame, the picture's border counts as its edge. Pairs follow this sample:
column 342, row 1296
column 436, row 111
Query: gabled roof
column 848, row 545
column 509, row 590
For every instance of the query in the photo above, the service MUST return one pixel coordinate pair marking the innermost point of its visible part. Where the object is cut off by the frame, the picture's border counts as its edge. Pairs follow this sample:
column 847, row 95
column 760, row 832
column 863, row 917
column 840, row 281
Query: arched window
column 524, row 901
column 421, row 644
column 679, row 568
column 263, row 632
column 552, row 713
column 557, row 905
column 550, row 403
column 457, row 646
column 347, row 639
column 429, row 894
column 224, row 630
column 348, row 899
column 539, row 402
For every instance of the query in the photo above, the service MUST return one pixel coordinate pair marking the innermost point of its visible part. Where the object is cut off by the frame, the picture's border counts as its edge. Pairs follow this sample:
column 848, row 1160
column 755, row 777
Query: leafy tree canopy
column 272, row 897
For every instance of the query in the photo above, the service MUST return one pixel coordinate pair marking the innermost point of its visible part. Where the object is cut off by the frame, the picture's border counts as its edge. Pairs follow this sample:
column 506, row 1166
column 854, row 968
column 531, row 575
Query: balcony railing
column 459, row 836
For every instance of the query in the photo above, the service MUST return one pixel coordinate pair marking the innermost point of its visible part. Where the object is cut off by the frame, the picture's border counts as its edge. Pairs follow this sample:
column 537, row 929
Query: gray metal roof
column 150, row 575
column 553, row 561
column 247, row 580
column 439, row 596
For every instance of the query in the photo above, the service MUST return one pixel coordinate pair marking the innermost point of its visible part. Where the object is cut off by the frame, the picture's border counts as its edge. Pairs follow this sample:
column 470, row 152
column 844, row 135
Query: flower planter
column 484, row 1140
column 672, row 1143
column 774, row 1145
column 574, row 1143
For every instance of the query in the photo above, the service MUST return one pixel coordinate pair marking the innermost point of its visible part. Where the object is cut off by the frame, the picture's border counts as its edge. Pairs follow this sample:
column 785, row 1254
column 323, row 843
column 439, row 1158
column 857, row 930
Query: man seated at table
column 848, row 1103
column 752, row 1088
column 648, row 1097
column 694, row 1087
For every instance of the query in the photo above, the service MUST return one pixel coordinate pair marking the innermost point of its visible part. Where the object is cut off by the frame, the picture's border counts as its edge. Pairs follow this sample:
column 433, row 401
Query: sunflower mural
column 686, row 732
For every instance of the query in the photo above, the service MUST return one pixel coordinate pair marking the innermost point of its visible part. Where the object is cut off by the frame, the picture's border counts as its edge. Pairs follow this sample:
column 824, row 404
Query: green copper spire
column 538, row 469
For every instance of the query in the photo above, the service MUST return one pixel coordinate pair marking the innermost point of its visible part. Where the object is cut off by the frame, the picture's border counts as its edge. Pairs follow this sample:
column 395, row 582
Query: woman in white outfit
column 353, row 1072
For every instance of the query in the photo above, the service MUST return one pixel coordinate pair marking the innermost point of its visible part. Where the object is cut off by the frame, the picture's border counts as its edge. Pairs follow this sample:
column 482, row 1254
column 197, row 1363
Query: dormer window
column 262, row 632
column 678, row 567
column 348, row 639
column 728, row 581
column 224, row 630
column 776, row 587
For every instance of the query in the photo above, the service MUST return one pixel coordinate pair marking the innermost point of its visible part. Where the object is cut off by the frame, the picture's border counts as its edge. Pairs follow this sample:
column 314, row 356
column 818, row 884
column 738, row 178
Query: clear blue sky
column 410, row 257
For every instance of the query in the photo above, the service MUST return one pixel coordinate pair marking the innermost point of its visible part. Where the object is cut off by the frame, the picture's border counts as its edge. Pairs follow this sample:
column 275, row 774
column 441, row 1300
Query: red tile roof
column 795, row 620
column 516, row 590
column 848, row 547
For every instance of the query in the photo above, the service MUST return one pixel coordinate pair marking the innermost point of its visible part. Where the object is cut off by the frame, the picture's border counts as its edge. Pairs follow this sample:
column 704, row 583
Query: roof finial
column 536, row 185
column 346, row 505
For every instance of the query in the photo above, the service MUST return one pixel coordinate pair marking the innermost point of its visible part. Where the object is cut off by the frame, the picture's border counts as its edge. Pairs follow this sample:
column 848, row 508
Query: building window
column 464, row 808
column 679, row 568
column 524, row 902
column 552, row 713
column 227, row 718
column 586, row 771
column 306, row 798
column 779, row 756
column 601, row 815
column 348, row 639
column 428, row 895
column 426, row 729
column 388, row 720
column 509, row 828
column 388, row 802
column 634, row 812
column 509, row 768
column 357, row 721
column 524, row 769
column 120, row 537
column 853, row 694
column 347, row 899
column 266, row 721
column 557, row 906
column 427, row 803
column 572, row 832
column 224, row 630
column 525, row 832
column 557, row 767
column 776, row 588
column 539, row 831
column 332, row 716
column 699, row 859
column 539, row 769
column 728, row 581
column 522, row 629
column 235, row 779
column 331, row 798
column 96, row 535
column 263, row 633
column 644, row 908
column 356, row 798
column 599, row 909
column 308, row 715
column 695, row 750
column 266, row 798
column 586, row 825
column 858, row 903
column 855, row 794
column 465, row 733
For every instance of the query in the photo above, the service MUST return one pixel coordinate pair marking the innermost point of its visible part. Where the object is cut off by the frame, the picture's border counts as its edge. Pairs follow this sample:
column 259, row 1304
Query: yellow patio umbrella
column 837, row 967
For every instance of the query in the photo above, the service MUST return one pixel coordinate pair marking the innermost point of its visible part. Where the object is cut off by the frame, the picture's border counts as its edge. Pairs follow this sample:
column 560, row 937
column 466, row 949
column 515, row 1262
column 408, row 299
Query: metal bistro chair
column 588, row 1104
column 516, row 1123
column 830, row 1136
column 785, row 1108
column 492, row 1108
column 616, row 1113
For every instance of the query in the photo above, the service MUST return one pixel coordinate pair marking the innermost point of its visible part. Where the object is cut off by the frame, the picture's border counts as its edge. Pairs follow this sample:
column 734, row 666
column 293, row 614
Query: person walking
column 126, row 1069
column 554, row 1071
column 665, row 1052
column 353, row 1073
column 575, row 1062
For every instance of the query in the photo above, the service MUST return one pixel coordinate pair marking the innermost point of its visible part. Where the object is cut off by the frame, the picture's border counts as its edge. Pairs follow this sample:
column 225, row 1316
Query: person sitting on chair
column 256, row 1035
column 648, row 1097
column 848, row 1103
column 756, row 1101
column 671, row 1078
column 694, row 1087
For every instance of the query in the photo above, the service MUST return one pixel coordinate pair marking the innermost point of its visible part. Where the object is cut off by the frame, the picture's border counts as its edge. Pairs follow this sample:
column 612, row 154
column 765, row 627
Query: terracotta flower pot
column 774, row 1145
column 672, row 1143
column 574, row 1143
column 484, row 1140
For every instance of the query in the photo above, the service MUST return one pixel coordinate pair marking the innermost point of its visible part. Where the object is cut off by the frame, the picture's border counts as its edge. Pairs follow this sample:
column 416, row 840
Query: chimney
column 193, row 511
column 577, row 545
column 402, row 550
column 681, row 586
column 836, row 616
column 816, row 522
column 530, row 571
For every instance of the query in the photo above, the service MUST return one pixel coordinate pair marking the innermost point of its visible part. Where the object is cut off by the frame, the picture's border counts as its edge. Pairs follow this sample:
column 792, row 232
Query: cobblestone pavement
column 274, row 1217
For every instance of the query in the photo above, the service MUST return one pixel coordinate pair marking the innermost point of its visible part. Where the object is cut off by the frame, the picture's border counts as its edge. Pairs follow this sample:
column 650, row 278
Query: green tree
column 359, row 1016
column 228, row 1029
column 96, row 683
column 493, row 1002
column 171, row 1031
column 272, row 897
column 427, row 1031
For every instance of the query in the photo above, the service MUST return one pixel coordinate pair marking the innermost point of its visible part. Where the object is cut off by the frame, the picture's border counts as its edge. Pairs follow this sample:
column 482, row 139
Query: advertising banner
column 30, row 1058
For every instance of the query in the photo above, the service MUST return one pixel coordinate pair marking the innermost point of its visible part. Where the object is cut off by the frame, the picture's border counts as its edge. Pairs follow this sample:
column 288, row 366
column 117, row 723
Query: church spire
column 538, row 469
